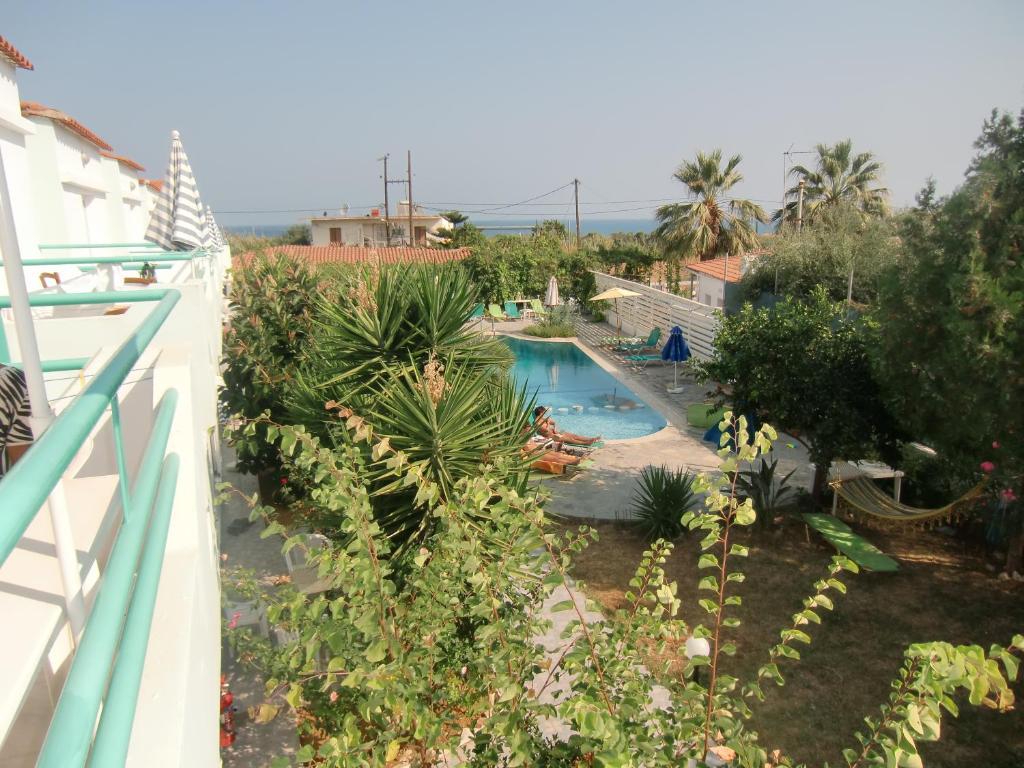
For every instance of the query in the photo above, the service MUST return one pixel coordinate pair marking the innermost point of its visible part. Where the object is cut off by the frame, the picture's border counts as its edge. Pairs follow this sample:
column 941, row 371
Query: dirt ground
column 942, row 592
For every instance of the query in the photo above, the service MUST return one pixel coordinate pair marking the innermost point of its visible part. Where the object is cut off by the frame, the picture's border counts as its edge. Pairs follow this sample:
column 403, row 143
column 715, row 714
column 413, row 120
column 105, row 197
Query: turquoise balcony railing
column 107, row 666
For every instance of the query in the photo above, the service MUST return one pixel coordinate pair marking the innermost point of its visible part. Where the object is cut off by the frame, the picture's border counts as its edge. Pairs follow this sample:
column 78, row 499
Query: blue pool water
column 584, row 397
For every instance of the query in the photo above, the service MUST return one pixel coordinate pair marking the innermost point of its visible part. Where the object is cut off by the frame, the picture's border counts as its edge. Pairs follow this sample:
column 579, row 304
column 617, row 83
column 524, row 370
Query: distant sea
column 503, row 226
column 507, row 226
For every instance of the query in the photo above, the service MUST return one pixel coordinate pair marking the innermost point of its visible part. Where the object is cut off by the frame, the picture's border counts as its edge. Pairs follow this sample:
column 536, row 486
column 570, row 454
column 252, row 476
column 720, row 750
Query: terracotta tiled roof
column 155, row 184
column 124, row 160
column 716, row 267
column 352, row 254
column 17, row 57
column 33, row 109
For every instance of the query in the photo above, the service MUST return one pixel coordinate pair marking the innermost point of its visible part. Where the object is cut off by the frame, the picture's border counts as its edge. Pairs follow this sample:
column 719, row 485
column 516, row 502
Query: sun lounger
column 512, row 311
column 640, row 362
column 478, row 312
column 650, row 343
column 494, row 313
column 538, row 308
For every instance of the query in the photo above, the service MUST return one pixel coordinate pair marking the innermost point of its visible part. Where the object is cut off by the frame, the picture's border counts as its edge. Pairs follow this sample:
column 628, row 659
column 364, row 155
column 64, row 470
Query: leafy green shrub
column 271, row 319
column 544, row 330
column 768, row 495
column 660, row 500
column 407, row 647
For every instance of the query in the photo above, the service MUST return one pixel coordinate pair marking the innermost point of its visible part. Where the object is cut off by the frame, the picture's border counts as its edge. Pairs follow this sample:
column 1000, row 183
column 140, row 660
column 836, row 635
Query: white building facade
column 61, row 184
column 371, row 231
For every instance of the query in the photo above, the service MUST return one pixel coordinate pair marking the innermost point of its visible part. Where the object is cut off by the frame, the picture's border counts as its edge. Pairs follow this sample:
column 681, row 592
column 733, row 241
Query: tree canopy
column 804, row 366
column 952, row 355
column 838, row 177
column 713, row 223
column 839, row 241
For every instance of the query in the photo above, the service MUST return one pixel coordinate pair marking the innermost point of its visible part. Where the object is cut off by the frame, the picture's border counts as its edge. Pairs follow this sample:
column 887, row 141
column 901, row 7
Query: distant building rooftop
column 34, row 109
column 716, row 268
column 155, row 184
column 16, row 57
column 354, row 254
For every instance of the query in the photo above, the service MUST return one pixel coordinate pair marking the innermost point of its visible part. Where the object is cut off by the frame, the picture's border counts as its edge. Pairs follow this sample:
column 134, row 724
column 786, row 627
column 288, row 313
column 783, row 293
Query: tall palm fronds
column 840, row 177
column 712, row 224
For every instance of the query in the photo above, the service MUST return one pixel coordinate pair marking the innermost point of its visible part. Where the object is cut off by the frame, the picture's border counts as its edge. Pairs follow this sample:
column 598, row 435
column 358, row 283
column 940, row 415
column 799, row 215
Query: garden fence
column 655, row 308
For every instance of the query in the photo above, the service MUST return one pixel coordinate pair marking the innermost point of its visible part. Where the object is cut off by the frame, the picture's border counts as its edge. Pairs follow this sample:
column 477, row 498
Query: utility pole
column 387, row 211
column 408, row 160
column 576, row 187
column 800, row 208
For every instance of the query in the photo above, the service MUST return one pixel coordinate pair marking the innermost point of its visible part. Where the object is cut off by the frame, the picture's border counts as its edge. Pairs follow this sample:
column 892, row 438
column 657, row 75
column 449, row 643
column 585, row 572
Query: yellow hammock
column 862, row 497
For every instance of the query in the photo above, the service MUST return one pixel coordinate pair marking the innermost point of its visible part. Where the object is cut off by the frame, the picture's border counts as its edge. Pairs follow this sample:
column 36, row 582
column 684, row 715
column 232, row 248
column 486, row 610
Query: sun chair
column 538, row 308
column 639, row 363
column 650, row 343
column 477, row 313
column 494, row 313
column 512, row 311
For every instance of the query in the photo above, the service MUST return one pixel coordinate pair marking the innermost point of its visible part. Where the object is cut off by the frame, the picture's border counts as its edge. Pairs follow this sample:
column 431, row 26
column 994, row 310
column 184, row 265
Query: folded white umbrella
column 551, row 298
column 176, row 223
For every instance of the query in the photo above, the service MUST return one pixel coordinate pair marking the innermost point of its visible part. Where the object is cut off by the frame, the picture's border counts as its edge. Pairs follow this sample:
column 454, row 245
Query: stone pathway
column 255, row 745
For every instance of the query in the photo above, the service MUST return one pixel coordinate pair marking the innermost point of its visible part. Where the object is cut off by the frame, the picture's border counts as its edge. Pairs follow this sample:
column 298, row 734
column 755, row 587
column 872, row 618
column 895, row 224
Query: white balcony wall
column 63, row 191
column 176, row 719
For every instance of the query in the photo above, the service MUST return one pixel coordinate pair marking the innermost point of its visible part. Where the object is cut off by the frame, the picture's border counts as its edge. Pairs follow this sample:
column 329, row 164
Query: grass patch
column 940, row 593
column 544, row 330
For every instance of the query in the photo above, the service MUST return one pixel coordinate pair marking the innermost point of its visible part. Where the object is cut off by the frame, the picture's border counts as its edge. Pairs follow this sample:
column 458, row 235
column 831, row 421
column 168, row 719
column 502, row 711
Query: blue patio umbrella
column 675, row 349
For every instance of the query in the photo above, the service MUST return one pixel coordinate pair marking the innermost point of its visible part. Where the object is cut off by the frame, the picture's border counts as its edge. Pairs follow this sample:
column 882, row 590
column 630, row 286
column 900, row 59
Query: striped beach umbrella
column 176, row 223
column 215, row 235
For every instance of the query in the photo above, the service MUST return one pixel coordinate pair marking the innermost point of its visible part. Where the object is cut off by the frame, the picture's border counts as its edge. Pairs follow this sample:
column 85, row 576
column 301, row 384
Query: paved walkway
column 256, row 745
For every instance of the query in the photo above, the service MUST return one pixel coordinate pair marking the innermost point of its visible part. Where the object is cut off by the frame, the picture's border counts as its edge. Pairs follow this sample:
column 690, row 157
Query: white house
column 708, row 278
column 371, row 231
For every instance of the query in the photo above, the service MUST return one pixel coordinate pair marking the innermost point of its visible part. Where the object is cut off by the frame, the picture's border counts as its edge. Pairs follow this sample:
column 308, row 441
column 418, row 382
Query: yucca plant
column 396, row 351
column 660, row 500
column 396, row 319
column 761, row 487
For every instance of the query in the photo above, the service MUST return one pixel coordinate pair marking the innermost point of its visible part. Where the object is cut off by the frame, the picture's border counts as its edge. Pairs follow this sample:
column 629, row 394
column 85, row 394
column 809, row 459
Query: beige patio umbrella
column 616, row 294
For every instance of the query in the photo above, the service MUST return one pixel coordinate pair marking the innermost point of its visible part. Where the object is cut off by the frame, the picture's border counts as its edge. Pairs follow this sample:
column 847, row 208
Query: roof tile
column 717, row 267
column 34, row 109
column 124, row 160
column 353, row 254
column 16, row 57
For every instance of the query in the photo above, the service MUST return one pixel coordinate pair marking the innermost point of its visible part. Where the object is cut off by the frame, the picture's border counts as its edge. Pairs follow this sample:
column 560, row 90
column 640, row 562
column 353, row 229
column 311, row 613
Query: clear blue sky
column 288, row 104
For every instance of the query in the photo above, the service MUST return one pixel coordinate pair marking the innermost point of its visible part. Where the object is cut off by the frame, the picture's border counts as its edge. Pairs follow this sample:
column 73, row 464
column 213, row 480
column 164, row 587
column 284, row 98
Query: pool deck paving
column 604, row 490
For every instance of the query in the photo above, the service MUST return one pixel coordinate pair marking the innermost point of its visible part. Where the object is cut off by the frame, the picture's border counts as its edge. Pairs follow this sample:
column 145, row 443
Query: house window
column 336, row 235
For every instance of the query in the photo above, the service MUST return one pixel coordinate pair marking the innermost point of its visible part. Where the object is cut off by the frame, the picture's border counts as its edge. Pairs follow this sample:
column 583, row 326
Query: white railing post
column 42, row 414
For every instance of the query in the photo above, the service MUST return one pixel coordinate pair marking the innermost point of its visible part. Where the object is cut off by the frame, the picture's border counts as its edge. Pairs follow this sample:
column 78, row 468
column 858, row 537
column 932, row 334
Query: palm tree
column 840, row 178
column 712, row 224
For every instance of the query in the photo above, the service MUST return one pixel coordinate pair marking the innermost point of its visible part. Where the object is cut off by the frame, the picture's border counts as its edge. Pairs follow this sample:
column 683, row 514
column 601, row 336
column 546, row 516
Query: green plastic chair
column 651, row 343
column 478, row 312
column 704, row 415
column 512, row 311
column 538, row 308
column 494, row 312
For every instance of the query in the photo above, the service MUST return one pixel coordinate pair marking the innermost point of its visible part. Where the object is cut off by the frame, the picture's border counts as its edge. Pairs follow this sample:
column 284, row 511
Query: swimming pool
column 585, row 398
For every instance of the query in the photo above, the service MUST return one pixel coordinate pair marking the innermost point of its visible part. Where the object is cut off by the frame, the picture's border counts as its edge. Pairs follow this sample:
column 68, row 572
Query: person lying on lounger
column 546, row 427
column 542, row 449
